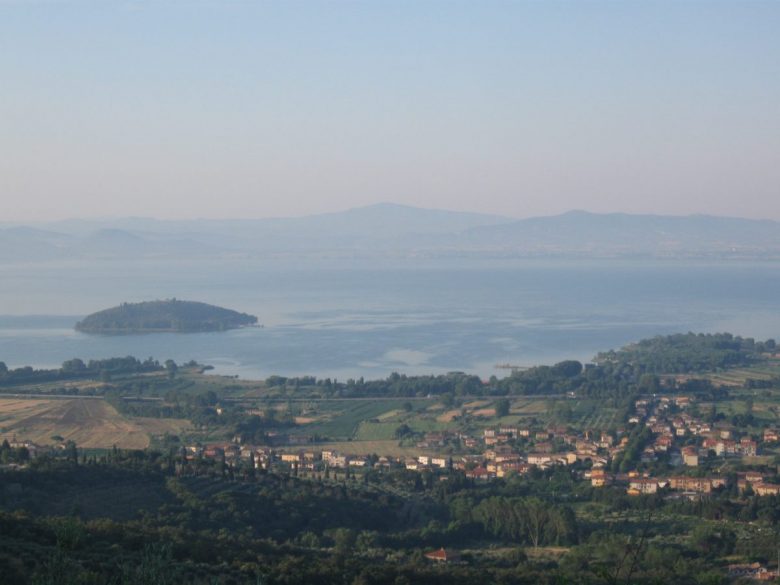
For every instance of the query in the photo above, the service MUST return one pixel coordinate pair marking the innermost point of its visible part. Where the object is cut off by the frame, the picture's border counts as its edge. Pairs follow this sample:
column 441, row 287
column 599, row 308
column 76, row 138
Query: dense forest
column 689, row 353
column 142, row 517
column 168, row 316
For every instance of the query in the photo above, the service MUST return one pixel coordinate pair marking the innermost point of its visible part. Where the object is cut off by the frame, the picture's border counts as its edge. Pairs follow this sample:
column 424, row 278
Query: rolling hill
column 164, row 316
column 396, row 230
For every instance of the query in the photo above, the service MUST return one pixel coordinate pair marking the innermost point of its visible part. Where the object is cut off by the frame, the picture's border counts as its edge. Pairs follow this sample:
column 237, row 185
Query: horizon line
column 388, row 204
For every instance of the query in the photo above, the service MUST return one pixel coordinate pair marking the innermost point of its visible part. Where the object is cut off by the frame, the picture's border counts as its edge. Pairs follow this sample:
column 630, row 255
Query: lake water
column 340, row 319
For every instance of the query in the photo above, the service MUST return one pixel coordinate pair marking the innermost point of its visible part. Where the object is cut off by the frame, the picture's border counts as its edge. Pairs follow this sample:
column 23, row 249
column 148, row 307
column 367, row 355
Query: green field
column 738, row 376
column 344, row 418
column 370, row 431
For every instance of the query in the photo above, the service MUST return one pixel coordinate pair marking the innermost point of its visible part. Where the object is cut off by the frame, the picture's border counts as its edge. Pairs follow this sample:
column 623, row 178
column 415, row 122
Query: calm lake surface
column 349, row 319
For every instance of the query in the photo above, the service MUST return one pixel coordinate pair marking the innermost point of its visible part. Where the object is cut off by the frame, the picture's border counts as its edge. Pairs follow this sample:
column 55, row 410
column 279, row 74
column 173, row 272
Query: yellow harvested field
column 476, row 404
column 485, row 412
column 389, row 414
column 11, row 406
column 89, row 423
column 448, row 416
column 304, row 420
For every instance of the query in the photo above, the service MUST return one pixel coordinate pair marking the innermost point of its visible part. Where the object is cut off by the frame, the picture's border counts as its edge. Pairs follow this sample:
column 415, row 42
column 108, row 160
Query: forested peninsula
column 164, row 316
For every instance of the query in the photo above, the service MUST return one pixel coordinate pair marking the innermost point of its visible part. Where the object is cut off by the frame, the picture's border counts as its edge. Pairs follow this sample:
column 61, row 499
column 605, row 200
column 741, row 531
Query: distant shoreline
column 133, row 331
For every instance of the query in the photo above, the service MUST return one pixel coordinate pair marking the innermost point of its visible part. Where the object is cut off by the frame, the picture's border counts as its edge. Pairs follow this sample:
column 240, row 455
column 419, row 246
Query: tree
column 343, row 539
column 72, row 452
column 568, row 368
column 648, row 384
column 403, row 431
column 73, row 366
column 713, row 541
column 309, row 540
column 366, row 540
column 252, row 465
column 537, row 516
column 502, row 407
column 171, row 368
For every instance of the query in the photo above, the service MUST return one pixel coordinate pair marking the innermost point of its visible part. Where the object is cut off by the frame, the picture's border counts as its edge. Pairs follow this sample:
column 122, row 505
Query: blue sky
column 256, row 109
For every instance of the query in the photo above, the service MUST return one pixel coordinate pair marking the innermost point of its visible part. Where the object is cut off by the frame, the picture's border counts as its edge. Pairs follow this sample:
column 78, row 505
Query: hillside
column 388, row 230
column 618, row 234
column 160, row 316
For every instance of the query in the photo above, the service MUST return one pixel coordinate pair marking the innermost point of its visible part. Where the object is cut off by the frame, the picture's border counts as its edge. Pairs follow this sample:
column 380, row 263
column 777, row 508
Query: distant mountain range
column 397, row 230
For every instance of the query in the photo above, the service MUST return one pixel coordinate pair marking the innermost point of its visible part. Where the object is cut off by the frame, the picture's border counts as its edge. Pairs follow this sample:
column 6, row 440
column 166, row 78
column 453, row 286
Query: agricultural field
column 593, row 414
column 90, row 423
column 367, row 426
column 737, row 377
column 375, row 431
column 343, row 419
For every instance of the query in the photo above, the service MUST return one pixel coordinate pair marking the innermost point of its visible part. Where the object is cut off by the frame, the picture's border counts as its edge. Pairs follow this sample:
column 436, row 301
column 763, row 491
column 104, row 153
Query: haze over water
column 342, row 319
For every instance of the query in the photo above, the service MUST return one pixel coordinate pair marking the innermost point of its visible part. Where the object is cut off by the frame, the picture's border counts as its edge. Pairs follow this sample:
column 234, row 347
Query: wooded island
column 170, row 315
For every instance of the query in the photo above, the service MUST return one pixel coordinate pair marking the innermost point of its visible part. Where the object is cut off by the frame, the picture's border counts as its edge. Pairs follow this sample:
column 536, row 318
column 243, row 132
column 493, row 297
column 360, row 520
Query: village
column 661, row 430
column 669, row 446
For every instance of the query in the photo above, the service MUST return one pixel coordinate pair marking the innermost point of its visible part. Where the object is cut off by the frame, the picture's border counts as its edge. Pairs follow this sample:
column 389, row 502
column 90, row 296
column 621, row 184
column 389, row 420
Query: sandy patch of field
column 89, row 423
column 304, row 420
column 448, row 416
column 477, row 404
column 11, row 407
column 484, row 412
column 389, row 414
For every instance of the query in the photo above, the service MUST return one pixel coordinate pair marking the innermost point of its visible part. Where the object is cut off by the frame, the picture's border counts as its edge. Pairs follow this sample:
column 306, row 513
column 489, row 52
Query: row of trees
column 617, row 374
column 77, row 368
column 525, row 521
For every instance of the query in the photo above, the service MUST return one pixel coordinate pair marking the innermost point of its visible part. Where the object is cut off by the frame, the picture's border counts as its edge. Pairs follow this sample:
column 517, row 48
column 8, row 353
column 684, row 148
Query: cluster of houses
column 754, row 571
column 678, row 435
column 684, row 439
column 32, row 448
column 638, row 484
column 671, row 425
column 269, row 457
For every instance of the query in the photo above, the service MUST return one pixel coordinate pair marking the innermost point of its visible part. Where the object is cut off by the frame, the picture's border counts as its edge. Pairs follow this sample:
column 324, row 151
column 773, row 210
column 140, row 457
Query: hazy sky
column 236, row 109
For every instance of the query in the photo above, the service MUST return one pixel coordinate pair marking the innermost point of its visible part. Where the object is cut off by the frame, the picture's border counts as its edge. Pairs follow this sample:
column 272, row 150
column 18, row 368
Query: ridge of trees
column 168, row 315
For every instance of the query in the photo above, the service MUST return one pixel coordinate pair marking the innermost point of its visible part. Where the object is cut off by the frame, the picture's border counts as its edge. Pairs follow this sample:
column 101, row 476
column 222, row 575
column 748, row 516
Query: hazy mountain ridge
column 388, row 229
column 618, row 233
